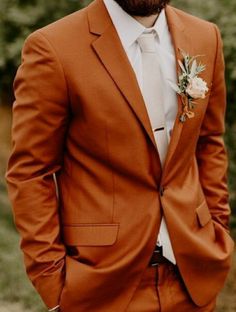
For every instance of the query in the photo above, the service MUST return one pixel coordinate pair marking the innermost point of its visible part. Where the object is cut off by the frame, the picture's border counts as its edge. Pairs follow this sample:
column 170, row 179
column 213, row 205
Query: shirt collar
column 160, row 25
column 128, row 28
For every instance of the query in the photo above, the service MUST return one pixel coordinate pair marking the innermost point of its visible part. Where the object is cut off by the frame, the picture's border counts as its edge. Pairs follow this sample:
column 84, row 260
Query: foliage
column 18, row 18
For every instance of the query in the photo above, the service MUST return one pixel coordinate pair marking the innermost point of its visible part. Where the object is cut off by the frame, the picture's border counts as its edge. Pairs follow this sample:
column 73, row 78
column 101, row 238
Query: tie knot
column 147, row 42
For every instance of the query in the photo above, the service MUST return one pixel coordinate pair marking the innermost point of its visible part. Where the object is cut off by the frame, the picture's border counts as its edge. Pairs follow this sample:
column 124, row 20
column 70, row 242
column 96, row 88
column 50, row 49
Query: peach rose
column 197, row 88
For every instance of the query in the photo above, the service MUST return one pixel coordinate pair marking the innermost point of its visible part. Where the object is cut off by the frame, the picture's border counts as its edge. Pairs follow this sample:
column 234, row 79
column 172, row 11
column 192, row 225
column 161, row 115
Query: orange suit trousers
column 161, row 289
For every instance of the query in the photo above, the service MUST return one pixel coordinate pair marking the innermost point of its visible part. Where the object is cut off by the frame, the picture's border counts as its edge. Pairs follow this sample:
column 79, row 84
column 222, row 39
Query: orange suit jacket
column 79, row 115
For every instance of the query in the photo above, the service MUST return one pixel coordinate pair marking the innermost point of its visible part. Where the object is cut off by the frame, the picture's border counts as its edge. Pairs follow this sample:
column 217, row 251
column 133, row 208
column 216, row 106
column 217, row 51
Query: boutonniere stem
column 190, row 86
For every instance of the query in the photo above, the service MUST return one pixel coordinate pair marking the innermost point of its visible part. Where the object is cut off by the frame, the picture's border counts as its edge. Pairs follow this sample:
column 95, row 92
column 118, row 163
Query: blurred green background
column 18, row 18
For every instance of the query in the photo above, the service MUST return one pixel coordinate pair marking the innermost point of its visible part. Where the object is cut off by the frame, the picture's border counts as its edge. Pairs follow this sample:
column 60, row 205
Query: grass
column 16, row 292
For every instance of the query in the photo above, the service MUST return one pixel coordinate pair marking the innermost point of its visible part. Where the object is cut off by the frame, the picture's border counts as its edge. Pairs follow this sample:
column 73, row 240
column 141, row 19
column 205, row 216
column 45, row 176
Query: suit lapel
column 109, row 49
column 112, row 55
column 181, row 41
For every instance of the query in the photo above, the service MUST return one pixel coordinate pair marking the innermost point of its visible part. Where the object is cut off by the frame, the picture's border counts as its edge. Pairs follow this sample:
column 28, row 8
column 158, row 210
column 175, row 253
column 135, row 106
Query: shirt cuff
column 54, row 309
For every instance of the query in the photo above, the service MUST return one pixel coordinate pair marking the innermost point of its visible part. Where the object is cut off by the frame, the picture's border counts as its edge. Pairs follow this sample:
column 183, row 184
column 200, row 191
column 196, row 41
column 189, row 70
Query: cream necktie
column 152, row 92
column 153, row 97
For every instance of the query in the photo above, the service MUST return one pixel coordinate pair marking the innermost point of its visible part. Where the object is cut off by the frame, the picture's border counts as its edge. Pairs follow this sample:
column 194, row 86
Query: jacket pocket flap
column 203, row 214
column 90, row 234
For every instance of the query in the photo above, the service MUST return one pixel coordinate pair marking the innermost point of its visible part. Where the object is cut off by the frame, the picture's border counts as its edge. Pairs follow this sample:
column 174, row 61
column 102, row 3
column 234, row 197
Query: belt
column 157, row 257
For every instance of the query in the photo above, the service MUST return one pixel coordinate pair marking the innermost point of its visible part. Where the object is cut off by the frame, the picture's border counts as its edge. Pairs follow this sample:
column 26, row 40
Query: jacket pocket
column 203, row 214
column 90, row 234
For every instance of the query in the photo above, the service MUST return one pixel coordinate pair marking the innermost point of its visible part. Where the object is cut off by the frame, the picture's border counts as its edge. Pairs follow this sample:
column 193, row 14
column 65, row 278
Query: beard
column 142, row 7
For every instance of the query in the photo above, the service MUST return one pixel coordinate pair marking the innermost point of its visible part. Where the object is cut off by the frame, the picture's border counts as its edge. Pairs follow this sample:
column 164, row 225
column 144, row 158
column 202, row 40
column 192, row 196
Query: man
column 140, row 222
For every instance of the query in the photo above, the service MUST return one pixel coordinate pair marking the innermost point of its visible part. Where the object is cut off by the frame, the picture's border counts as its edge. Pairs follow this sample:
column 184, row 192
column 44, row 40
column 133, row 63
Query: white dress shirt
column 128, row 30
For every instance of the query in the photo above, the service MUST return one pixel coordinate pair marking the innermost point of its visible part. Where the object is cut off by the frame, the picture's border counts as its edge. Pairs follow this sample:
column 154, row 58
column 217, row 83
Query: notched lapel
column 181, row 41
column 109, row 50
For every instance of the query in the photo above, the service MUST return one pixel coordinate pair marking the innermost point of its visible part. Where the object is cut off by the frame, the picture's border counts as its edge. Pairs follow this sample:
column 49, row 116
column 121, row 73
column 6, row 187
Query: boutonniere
column 190, row 86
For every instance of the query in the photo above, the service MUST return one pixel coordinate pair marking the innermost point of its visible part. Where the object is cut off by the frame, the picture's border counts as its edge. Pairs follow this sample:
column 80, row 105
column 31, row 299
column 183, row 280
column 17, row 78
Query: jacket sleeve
column 40, row 118
column 211, row 153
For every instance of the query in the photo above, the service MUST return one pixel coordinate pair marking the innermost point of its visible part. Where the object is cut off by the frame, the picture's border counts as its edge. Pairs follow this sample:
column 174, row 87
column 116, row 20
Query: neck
column 147, row 21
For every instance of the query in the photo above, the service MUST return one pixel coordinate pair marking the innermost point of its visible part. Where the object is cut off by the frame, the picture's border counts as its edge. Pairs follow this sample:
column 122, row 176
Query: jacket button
column 162, row 190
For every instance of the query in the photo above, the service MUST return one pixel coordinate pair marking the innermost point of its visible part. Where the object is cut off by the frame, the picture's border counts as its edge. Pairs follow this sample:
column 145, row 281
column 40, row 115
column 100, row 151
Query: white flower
column 197, row 88
column 189, row 85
